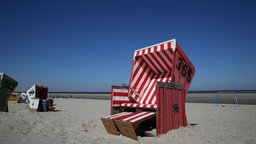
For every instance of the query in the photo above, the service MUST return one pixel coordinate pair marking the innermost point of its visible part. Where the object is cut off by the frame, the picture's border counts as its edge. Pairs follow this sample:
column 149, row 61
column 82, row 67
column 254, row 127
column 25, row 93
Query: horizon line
column 192, row 91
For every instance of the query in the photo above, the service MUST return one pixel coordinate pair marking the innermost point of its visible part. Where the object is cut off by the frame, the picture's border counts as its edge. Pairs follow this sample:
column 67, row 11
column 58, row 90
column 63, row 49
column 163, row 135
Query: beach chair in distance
column 160, row 79
column 38, row 98
column 7, row 86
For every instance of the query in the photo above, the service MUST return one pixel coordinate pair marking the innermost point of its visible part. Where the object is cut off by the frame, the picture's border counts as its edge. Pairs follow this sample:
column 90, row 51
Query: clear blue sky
column 88, row 45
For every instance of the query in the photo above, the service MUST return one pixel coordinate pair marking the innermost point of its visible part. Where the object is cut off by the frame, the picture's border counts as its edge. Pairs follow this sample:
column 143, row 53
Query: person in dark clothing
column 42, row 106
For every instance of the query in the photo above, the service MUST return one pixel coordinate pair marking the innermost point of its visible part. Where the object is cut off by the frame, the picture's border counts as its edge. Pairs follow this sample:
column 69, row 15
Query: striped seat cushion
column 138, row 116
column 119, row 115
column 131, row 116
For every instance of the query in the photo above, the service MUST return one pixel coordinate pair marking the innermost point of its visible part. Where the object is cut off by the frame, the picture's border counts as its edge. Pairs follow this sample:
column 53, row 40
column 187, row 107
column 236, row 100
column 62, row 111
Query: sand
column 77, row 121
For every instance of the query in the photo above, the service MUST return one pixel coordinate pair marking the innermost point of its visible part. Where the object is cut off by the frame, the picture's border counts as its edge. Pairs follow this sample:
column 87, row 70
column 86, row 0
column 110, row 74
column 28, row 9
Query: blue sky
column 88, row 45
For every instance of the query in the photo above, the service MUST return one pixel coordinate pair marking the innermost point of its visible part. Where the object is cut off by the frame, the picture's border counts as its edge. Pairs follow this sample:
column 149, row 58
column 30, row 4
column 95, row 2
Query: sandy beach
column 77, row 121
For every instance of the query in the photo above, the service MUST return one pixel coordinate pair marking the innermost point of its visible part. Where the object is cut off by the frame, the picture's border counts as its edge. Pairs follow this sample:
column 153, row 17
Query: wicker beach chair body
column 7, row 86
column 35, row 93
column 38, row 96
column 160, row 78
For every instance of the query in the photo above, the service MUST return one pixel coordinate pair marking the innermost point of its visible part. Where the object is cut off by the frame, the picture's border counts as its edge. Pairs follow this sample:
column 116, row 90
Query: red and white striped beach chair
column 161, row 76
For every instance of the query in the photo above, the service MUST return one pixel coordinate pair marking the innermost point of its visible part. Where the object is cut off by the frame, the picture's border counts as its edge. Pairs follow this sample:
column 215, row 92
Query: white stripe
column 151, row 93
column 146, row 51
column 149, row 86
column 120, row 90
column 166, row 76
column 154, row 61
column 121, row 98
column 158, row 48
column 133, row 96
column 147, row 83
column 154, row 89
column 154, row 99
column 117, row 115
column 151, row 49
column 142, row 117
column 138, row 74
column 149, row 63
column 165, row 58
column 135, row 66
column 173, row 45
column 134, row 105
column 169, row 54
column 126, row 119
column 140, row 53
column 161, row 62
column 165, row 46
column 147, row 89
column 143, row 78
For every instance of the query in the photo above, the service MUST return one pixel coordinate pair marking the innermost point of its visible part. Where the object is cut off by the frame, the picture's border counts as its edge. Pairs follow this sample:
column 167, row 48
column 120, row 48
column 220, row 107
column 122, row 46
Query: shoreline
column 224, row 98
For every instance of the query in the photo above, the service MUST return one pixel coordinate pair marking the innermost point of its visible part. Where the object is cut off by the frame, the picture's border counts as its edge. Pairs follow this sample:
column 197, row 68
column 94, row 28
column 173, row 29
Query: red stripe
column 152, row 95
column 152, row 64
column 162, row 47
column 120, row 94
column 122, row 117
column 143, row 51
column 131, row 93
column 158, row 61
column 131, row 115
column 136, row 105
column 140, row 79
column 140, row 76
column 137, row 53
column 149, row 63
column 120, row 102
column 138, row 68
column 145, row 82
column 136, row 115
column 135, row 72
column 117, row 93
column 148, row 90
column 149, row 96
column 136, row 97
column 169, row 45
column 169, row 57
column 168, row 67
column 162, row 60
